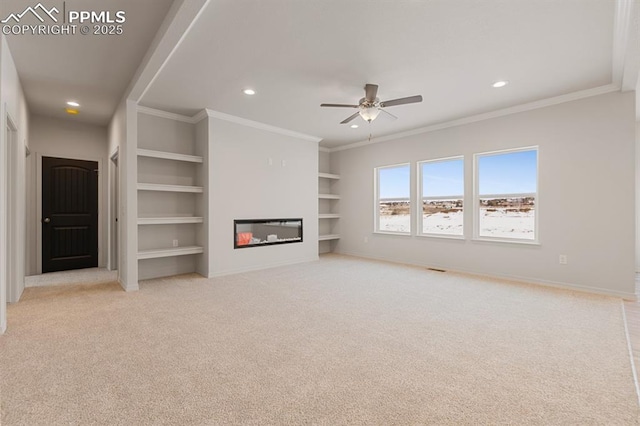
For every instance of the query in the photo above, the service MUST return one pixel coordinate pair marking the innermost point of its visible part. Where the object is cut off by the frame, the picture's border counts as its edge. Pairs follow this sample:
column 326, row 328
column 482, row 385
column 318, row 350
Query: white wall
column 245, row 186
column 586, row 196
column 12, row 235
column 116, row 134
column 637, row 196
column 51, row 137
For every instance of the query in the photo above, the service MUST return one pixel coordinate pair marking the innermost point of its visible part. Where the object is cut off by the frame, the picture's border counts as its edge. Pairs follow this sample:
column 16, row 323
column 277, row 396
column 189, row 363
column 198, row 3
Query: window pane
column 442, row 196
column 443, row 178
column 442, row 217
column 393, row 197
column 507, row 218
column 508, row 173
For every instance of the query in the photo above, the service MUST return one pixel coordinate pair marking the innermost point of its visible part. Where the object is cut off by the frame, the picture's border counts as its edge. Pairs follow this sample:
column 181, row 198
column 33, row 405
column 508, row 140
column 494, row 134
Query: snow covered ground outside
column 499, row 223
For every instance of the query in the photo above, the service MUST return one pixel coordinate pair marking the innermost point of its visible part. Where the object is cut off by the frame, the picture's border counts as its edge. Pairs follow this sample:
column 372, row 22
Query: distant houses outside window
column 506, row 195
column 442, row 195
column 393, row 199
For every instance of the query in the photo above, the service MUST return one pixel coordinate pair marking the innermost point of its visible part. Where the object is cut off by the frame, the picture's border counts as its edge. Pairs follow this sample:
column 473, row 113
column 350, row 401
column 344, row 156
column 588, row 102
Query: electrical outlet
column 175, row 243
column 284, row 163
column 270, row 161
column 563, row 259
column 366, row 240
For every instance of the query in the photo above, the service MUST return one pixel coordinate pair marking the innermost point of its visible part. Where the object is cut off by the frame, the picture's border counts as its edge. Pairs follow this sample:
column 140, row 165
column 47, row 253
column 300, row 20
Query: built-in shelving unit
column 328, row 214
column 170, row 197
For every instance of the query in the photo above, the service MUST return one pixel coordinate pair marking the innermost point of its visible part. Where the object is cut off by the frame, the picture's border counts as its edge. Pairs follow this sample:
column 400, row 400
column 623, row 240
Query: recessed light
column 73, row 104
column 354, row 126
column 249, row 92
column 500, row 83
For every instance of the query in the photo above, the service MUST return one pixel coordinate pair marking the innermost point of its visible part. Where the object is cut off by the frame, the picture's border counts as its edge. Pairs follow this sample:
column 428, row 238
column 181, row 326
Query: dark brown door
column 69, row 214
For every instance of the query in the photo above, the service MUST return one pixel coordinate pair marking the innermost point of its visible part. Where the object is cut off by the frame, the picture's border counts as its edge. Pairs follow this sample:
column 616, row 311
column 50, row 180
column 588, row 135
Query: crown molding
column 260, row 126
column 164, row 114
column 199, row 116
column 324, row 149
column 487, row 116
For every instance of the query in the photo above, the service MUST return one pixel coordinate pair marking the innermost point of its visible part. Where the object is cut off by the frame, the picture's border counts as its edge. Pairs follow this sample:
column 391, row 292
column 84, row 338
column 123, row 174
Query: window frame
column 420, row 199
column 477, row 197
column 376, row 200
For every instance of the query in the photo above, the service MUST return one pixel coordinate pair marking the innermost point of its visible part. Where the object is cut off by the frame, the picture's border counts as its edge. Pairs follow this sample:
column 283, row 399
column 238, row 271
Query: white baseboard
column 261, row 267
column 131, row 287
column 525, row 280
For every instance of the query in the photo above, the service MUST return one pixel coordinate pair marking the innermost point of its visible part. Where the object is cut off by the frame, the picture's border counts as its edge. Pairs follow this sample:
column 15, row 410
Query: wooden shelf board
column 168, row 188
column 169, row 252
column 328, row 237
column 328, row 176
column 168, row 220
column 169, row 156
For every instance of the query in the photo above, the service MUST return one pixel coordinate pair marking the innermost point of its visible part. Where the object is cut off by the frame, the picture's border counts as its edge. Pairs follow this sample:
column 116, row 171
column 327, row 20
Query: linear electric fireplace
column 266, row 232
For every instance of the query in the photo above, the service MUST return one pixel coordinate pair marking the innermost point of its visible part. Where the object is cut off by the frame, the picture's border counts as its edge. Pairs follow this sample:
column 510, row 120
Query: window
column 506, row 195
column 393, row 202
column 442, row 194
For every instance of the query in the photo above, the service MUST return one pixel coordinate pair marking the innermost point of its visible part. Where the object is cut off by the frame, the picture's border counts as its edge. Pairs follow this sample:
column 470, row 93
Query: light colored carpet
column 338, row 341
column 79, row 276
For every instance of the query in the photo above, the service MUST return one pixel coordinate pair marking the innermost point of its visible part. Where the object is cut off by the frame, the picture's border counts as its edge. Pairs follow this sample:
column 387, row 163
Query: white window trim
column 420, row 199
column 376, row 200
column 477, row 197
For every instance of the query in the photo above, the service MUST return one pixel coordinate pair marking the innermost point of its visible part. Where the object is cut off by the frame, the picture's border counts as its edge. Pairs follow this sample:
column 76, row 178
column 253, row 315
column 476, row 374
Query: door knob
column 46, row 220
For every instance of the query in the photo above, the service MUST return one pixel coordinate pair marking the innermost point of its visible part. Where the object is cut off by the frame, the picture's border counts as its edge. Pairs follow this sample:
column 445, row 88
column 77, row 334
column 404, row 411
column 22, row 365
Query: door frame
column 15, row 277
column 39, row 156
column 113, row 201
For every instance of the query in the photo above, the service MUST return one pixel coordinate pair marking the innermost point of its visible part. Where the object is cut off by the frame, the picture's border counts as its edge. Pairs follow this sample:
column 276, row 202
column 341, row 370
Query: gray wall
column 52, row 137
column 245, row 186
column 12, row 160
column 586, row 196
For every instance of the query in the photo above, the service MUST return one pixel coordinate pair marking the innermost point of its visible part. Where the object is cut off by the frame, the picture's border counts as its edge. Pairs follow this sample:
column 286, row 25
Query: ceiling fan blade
column 339, row 105
column 351, row 117
column 402, row 101
column 389, row 114
column 370, row 92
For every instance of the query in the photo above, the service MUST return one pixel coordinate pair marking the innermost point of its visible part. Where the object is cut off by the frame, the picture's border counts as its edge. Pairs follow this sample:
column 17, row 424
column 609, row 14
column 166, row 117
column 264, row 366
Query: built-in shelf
column 174, row 251
column 169, row 156
column 328, row 176
column 168, row 188
column 329, row 196
column 168, row 220
column 328, row 216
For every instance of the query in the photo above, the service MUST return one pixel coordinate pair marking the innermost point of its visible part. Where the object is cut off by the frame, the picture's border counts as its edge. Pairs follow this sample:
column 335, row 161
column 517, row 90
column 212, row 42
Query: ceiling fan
column 370, row 106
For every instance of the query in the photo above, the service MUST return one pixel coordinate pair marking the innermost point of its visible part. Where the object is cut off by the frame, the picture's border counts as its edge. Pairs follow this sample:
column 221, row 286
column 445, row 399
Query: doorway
column 69, row 214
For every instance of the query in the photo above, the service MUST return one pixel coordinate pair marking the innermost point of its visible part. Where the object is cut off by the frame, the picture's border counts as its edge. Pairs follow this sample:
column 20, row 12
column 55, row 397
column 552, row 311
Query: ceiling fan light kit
column 370, row 106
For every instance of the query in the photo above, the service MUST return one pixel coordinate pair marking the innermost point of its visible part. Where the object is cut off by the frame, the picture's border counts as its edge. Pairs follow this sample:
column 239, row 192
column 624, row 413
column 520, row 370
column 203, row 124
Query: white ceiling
column 95, row 70
column 298, row 54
